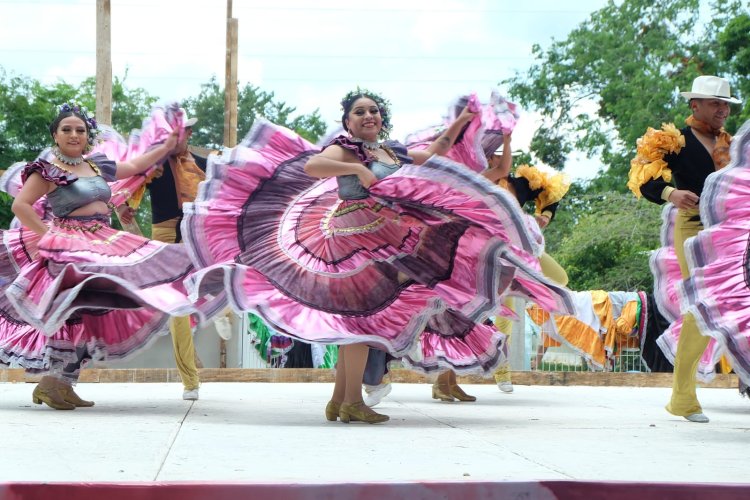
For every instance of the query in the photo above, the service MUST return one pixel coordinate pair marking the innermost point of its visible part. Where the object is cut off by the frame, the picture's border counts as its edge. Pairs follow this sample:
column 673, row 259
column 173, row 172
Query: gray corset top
column 351, row 189
column 83, row 191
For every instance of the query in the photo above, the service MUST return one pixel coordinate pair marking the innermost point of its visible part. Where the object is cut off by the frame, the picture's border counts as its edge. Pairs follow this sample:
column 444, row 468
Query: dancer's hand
column 366, row 177
column 171, row 143
column 466, row 115
column 542, row 220
column 684, row 199
column 125, row 213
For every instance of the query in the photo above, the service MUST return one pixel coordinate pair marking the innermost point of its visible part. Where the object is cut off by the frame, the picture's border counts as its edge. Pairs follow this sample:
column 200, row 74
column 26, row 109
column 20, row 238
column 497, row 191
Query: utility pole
column 230, row 82
column 103, row 110
column 230, row 114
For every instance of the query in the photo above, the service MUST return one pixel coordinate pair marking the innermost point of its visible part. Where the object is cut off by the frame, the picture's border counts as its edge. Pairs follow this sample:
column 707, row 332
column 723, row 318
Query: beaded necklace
column 91, row 164
column 369, row 145
column 68, row 160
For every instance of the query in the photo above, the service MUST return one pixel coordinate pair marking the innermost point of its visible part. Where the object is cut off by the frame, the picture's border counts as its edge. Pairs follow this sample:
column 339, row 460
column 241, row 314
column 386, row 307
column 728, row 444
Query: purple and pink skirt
column 667, row 283
column 413, row 269
column 718, row 291
column 86, row 286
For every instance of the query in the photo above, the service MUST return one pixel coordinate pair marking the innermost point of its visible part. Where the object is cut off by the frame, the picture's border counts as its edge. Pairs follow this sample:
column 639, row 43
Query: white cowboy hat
column 187, row 122
column 710, row 87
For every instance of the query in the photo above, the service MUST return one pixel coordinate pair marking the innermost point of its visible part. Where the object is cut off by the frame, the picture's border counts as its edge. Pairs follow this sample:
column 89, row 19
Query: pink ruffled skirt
column 84, row 286
column 414, row 269
column 718, row 291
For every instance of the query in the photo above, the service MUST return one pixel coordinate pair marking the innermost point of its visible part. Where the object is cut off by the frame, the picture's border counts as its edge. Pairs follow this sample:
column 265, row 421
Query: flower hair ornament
column 383, row 105
column 81, row 110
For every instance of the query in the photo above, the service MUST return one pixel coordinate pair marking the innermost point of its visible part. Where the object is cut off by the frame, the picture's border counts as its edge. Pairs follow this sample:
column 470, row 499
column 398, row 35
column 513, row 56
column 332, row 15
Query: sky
column 419, row 54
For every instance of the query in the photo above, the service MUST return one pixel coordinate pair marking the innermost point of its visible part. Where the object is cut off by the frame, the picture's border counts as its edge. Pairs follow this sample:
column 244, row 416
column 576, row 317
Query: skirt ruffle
column 718, row 291
column 667, row 282
column 481, row 136
column 451, row 340
column 430, row 239
column 86, row 285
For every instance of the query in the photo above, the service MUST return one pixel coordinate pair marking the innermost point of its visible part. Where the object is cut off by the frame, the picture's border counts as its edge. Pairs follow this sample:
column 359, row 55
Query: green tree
column 26, row 110
column 616, row 74
column 27, row 107
column 734, row 49
column 208, row 107
column 603, row 242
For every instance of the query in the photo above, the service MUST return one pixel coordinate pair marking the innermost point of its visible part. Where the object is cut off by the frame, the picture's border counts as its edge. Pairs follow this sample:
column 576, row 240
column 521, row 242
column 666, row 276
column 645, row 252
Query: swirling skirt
column 84, row 285
column 433, row 245
column 718, row 291
column 667, row 283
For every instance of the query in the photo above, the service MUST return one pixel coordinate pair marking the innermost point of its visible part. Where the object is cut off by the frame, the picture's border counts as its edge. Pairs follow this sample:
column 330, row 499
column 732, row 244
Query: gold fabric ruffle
column 554, row 186
column 649, row 163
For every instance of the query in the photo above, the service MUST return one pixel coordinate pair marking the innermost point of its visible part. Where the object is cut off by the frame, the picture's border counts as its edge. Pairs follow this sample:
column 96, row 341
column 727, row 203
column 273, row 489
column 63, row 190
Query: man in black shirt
column 706, row 150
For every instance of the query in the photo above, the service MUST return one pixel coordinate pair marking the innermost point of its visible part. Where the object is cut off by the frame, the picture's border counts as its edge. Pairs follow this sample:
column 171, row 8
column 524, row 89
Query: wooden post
column 230, row 85
column 103, row 111
column 230, row 114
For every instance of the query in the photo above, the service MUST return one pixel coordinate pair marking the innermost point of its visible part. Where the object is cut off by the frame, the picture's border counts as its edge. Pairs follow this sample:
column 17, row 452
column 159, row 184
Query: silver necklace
column 68, row 160
column 371, row 145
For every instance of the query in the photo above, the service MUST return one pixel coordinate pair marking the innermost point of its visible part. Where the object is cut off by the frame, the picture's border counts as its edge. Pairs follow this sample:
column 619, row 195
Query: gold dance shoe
column 459, row 394
column 360, row 412
column 332, row 411
column 442, row 392
column 52, row 397
column 71, row 397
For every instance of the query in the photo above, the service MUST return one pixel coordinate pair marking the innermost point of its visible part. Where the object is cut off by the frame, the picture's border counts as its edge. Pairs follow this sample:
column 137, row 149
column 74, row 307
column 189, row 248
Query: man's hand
column 684, row 199
column 126, row 214
column 542, row 220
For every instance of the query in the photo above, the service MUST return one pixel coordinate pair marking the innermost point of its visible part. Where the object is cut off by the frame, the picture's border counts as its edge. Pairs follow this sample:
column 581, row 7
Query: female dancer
column 381, row 252
column 77, row 288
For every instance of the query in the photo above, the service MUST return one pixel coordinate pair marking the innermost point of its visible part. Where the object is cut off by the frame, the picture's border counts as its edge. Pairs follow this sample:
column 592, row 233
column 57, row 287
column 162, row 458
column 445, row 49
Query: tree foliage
column 597, row 91
column 208, row 106
column 619, row 73
column 28, row 106
column 608, row 244
column 734, row 49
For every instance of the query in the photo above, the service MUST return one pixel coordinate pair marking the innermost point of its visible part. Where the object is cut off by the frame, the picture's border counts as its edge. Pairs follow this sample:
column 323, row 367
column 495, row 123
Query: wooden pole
column 230, row 85
column 103, row 111
column 230, row 114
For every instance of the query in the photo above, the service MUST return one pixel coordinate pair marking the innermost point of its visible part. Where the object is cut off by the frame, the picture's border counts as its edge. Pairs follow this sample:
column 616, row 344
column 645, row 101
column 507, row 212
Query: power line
column 432, row 8
column 285, row 56
column 431, row 80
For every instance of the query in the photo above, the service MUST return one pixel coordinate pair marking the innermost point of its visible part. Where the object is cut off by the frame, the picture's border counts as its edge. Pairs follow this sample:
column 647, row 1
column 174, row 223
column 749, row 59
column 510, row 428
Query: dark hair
column 61, row 116
column 383, row 107
column 66, row 110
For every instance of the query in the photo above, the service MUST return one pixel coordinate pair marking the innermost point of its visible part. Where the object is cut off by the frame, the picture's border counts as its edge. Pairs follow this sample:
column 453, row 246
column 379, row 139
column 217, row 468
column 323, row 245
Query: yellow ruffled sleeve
column 134, row 201
column 651, row 149
column 554, row 186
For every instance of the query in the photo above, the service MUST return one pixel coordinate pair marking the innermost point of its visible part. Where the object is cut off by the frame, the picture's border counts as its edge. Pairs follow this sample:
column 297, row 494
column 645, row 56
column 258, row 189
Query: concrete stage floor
column 276, row 433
